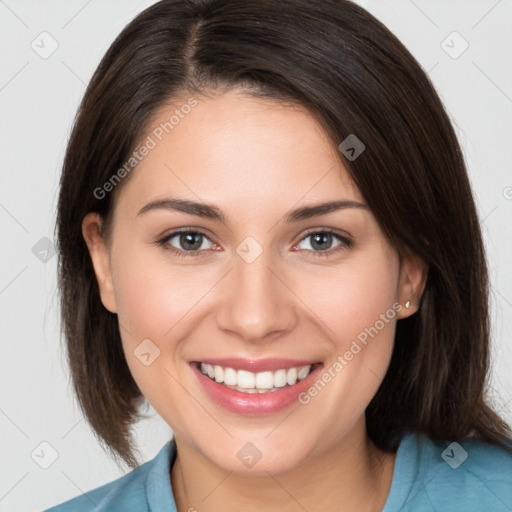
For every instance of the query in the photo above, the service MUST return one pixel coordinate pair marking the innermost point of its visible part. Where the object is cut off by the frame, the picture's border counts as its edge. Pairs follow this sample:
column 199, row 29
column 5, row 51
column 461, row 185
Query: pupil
column 321, row 238
column 191, row 238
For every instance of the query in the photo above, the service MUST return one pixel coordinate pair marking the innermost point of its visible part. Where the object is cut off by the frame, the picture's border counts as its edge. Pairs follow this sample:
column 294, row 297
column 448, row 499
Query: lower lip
column 254, row 404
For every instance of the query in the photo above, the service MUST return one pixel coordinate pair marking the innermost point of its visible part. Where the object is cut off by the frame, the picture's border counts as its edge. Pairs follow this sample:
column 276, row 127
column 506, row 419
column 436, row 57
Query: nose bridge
column 256, row 301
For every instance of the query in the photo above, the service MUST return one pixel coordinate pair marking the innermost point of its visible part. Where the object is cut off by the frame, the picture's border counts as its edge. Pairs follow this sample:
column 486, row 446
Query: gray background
column 38, row 100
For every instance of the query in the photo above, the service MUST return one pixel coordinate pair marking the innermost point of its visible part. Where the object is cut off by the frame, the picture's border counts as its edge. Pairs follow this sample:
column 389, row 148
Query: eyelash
column 345, row 243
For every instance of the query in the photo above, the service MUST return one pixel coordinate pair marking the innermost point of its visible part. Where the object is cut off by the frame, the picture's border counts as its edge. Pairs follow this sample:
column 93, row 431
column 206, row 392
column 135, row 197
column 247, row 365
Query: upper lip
column 256, row 365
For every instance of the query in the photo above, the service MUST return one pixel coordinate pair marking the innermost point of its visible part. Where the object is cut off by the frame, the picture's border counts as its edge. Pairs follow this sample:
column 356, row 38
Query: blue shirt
column 469, row 476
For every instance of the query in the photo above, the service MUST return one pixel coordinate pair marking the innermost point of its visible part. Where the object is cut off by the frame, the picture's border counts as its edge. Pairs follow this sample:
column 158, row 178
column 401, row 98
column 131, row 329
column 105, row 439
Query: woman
column 266, row 230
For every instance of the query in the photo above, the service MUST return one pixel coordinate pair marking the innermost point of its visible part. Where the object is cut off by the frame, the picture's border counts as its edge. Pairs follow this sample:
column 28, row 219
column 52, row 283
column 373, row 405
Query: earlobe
column 91, row 230
column 413, row 278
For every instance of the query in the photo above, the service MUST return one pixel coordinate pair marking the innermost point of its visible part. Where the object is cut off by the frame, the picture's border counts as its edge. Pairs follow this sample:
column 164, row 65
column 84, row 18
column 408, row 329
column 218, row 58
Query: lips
column 255, row 387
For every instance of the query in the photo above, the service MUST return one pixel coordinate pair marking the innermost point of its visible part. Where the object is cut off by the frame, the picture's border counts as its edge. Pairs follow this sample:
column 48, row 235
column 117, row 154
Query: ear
column 91, row 230
column 413, row 277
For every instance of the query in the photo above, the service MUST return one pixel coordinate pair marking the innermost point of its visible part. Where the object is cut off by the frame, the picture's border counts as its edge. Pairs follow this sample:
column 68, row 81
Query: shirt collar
column 158, row 488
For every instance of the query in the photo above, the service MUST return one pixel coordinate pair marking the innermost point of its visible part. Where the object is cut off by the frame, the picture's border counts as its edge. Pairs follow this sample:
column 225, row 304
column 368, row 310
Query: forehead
column 239, row 151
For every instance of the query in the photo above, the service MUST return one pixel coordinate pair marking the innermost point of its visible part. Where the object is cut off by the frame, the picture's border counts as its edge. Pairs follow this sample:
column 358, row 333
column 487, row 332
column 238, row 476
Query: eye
column 192, row 243
column 186, row 243
column 320, row 243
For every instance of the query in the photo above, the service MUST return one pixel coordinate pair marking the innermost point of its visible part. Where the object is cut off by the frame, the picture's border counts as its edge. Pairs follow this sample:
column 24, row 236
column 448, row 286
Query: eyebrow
column 209, row 211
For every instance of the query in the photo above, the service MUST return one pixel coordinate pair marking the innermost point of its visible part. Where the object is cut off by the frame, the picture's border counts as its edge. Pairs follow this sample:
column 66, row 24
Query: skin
column 255, row 160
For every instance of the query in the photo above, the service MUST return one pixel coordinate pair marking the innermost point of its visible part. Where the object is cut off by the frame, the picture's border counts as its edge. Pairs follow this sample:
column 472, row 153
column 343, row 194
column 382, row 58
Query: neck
column 353, row 475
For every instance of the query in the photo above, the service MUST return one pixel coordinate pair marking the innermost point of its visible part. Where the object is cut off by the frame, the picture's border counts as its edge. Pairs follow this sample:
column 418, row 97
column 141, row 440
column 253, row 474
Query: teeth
column 218, row 373
column 264, row 380
column 230, row 378
column 303, row 372
column 291, row 376
column 250, row 382
column 245, row 379
column 280, row 377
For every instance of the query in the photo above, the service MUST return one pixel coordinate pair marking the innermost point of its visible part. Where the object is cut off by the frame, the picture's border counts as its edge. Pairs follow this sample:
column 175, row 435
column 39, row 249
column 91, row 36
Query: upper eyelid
column 182, row 231
column 338, row 232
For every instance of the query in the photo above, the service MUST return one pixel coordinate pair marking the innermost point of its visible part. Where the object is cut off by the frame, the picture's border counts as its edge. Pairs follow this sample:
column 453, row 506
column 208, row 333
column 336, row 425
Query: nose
column 256, row 301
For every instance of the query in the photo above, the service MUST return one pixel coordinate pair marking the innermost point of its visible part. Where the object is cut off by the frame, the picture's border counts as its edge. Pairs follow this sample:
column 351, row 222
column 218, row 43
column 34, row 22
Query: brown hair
column 353, row 74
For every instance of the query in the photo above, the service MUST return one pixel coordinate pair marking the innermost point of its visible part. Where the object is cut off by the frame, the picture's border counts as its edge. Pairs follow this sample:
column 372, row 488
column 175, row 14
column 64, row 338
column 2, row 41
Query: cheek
column 355, row 297
column 152, row 297
column 356, row 304
column 154, row 301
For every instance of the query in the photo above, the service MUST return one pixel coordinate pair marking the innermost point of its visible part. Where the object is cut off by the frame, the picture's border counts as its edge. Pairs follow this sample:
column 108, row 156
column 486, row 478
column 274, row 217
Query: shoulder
column 464, row 475
column 129, row 492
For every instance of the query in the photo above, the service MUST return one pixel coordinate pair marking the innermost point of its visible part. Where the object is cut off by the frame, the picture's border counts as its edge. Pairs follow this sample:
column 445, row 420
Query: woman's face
column 266, row 287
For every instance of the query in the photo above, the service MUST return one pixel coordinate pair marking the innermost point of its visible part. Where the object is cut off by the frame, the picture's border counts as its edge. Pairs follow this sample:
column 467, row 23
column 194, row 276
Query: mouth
column 255, row 387
column 246, row 381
